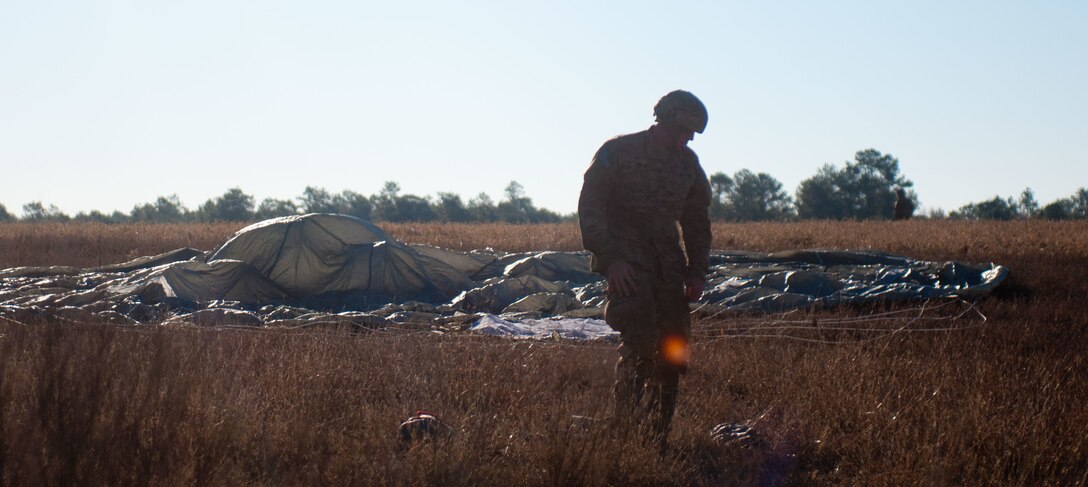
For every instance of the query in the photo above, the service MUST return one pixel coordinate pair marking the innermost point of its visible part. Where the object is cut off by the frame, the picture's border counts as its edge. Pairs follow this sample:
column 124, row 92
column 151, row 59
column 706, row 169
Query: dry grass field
column 994, row 402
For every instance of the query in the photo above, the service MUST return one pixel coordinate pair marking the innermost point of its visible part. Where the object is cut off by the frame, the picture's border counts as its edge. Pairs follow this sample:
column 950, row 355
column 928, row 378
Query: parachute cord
column 881, row 332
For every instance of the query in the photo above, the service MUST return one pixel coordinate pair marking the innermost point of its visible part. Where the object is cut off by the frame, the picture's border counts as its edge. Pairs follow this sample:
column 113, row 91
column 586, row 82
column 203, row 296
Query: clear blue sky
column 106, row 104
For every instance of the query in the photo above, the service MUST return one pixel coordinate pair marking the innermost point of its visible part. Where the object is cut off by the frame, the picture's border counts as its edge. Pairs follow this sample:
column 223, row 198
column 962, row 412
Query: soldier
column 638, row 187
column 904, row 207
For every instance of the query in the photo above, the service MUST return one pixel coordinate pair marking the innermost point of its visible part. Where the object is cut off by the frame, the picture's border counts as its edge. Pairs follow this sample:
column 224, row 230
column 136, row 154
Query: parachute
column 326, row 268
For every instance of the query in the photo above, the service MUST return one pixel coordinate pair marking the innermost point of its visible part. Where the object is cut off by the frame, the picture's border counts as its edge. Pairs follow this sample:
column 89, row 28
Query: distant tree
column 272, row 208
column 168, row 209
column 748, row 196
column 997, row 208
column 515, row 194
column 143, row 213
column 511, row 213
column 35, row 211
column 1028, row 206
column 390, row 189
column 759, row 197
column 937, row 214
column 482, row 208
column 721, row 185
column 1073, row 207
column 354, row 204
column 99, row 217
column 519, row 208
column 450, row 208
column 1079, row 201
column 822, row 196
column 317, row 200
column 542, row 215
column 1058, row 210
column 4, row 215
column 233, row 206
column 412, row 208
column 516, row 207
column 385, row 202
column 862, row 189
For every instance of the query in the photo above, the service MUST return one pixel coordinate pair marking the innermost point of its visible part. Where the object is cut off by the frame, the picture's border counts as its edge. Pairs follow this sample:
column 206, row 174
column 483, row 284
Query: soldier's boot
column 632, row 374
column 628, row 397
column 665, row 394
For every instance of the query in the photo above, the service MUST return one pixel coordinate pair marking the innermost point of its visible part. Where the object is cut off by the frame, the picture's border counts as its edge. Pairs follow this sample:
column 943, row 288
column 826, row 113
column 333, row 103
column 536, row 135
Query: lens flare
column 674, row 350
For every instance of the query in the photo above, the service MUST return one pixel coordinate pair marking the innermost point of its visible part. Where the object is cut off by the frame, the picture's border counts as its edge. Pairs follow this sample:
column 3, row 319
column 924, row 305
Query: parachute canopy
column 336, row 268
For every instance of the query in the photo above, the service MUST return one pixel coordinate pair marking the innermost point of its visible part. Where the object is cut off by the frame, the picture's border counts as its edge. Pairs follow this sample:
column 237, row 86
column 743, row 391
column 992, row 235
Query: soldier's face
column 675, row 136
column 683, row 137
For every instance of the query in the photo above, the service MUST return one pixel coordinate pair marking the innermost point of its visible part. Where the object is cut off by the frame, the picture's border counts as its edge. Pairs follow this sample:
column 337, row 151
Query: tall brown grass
column 93, row 244
column 1001, row 403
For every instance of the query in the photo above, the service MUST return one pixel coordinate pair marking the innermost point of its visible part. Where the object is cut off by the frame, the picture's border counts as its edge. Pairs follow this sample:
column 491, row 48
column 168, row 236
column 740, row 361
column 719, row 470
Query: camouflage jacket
column 634, row 194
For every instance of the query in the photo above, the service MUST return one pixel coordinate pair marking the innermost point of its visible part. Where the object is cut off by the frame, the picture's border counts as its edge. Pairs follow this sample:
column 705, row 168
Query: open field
column 994, row 402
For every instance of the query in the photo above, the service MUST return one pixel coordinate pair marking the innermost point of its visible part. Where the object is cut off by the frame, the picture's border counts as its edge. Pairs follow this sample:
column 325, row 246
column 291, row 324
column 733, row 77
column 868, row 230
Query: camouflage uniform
column 635, row 193
column 904, row 207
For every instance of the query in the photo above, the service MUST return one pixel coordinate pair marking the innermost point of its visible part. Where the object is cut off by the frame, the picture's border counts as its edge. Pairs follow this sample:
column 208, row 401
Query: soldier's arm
column 593, row 210
column 695, row 224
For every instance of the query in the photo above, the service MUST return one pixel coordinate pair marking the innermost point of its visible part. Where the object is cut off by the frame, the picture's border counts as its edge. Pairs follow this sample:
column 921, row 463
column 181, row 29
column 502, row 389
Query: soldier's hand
column 693, row 288
column 621, row 278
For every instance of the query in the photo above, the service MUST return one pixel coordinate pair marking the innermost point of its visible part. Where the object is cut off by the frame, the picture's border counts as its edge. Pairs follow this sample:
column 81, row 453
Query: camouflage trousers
column 654, row 326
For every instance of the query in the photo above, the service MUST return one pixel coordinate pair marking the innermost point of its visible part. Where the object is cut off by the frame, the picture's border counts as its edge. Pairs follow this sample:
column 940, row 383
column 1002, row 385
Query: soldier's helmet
column 682, row 108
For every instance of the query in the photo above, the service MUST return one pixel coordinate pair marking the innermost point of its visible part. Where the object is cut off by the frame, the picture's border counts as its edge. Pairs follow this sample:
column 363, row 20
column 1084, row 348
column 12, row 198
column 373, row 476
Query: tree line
column 388, row 205
column 862, row 189
column 1074, row 207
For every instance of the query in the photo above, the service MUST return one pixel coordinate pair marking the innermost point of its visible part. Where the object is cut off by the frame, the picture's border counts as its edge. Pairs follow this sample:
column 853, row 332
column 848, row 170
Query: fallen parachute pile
column 333, row 269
